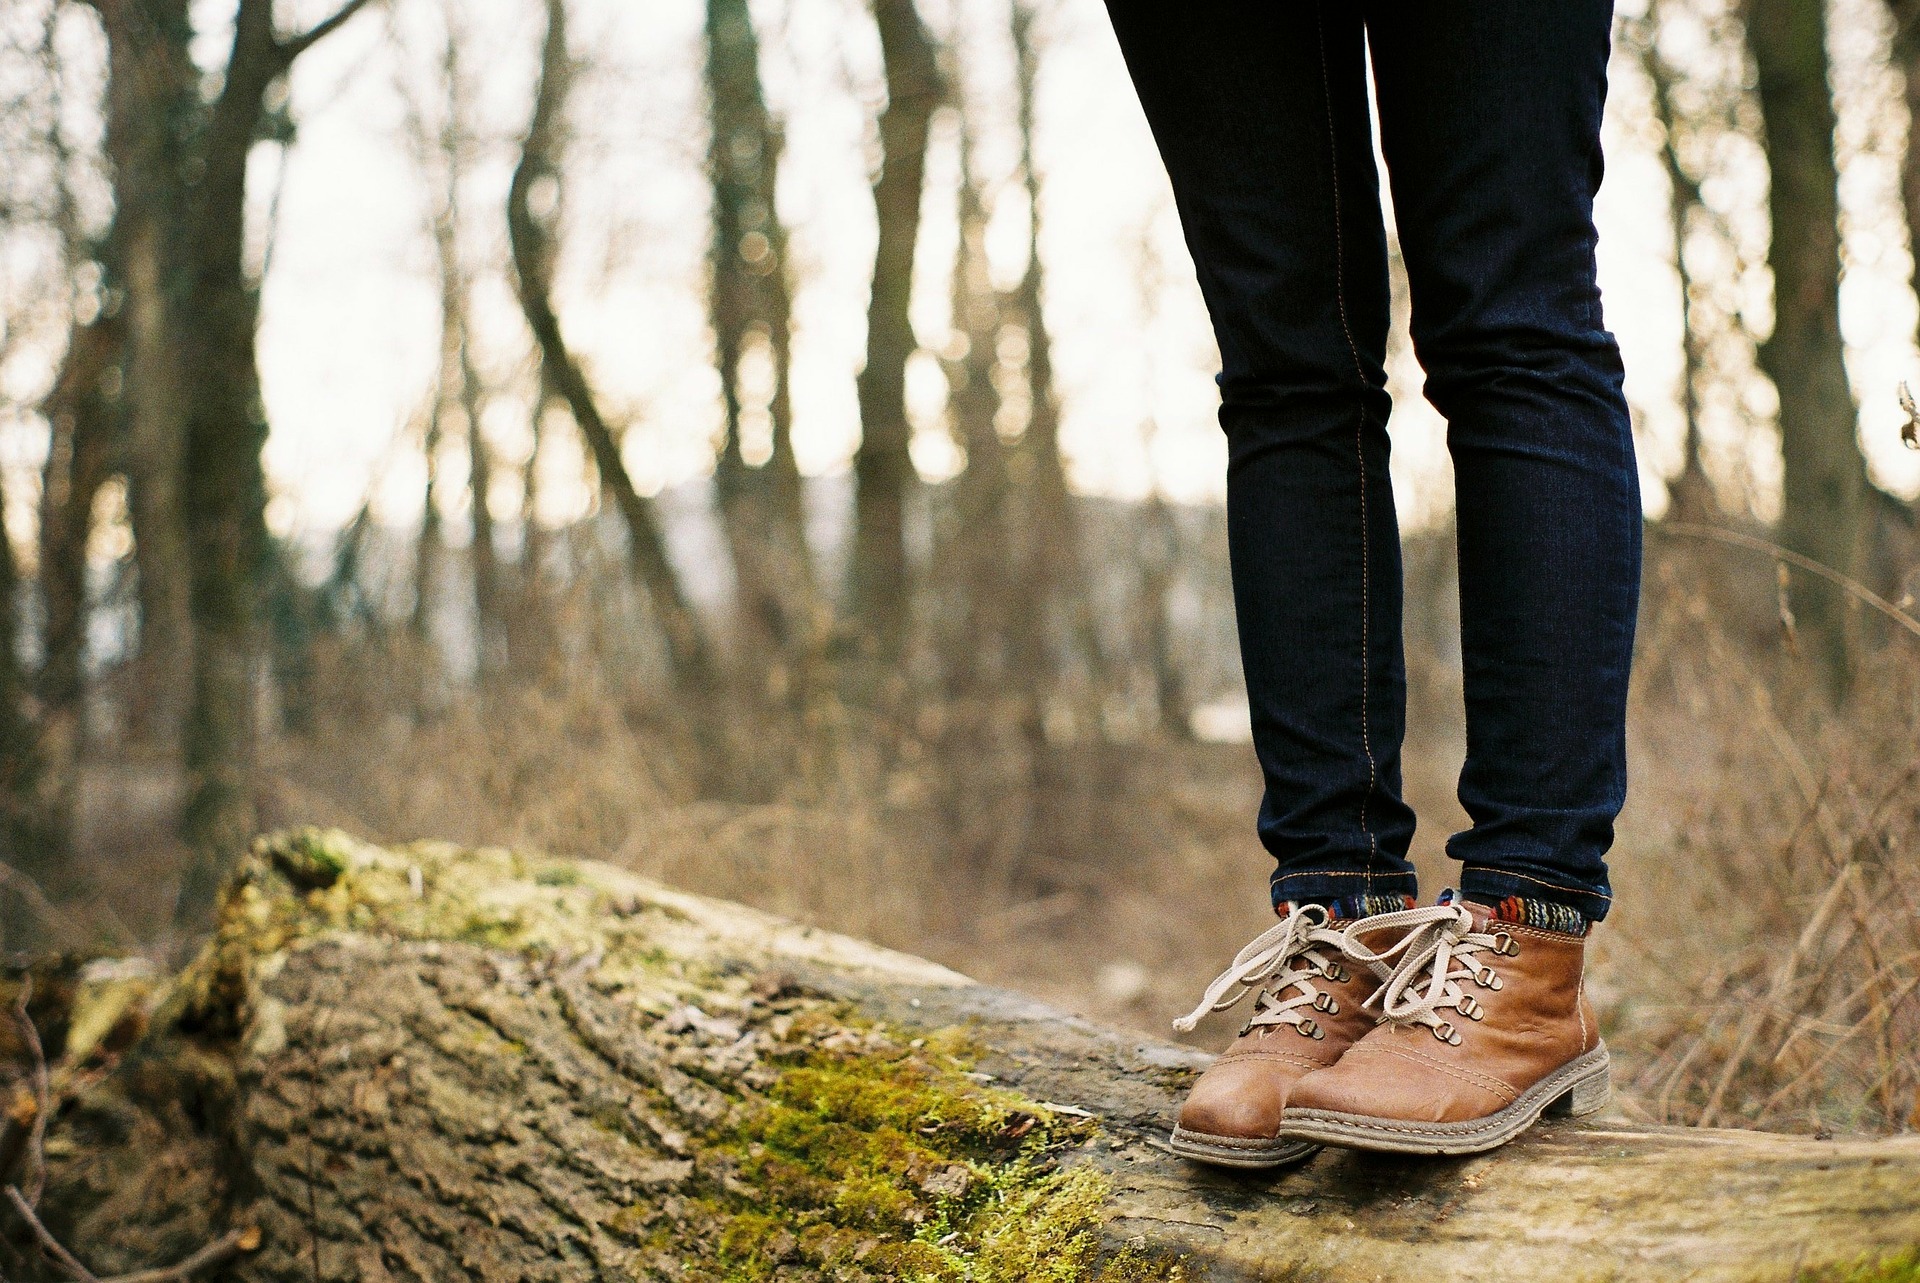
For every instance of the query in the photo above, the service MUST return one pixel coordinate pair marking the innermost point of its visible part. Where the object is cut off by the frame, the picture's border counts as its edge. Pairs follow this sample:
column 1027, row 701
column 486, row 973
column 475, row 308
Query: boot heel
column 1588, row 1096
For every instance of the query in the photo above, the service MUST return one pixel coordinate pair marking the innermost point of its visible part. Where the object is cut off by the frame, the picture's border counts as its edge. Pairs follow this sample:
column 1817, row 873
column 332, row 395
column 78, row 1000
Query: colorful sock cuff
column 1527, row 912
column 1347, row 908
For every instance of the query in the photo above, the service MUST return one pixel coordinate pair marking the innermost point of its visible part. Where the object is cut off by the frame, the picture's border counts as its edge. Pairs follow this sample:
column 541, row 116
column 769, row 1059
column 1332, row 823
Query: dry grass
column 1762, row 967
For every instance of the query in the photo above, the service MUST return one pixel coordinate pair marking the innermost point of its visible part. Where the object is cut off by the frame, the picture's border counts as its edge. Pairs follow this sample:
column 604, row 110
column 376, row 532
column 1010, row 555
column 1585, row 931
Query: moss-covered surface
column 844, row 1149
column 1901, row 1267
column 877, row 1160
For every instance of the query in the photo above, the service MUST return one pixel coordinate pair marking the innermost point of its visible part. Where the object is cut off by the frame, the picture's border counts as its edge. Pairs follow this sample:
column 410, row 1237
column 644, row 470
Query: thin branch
column 48, row 1243
column 293, row 47
column 37, row 1138
column 218, row 1252
column 1852, row 587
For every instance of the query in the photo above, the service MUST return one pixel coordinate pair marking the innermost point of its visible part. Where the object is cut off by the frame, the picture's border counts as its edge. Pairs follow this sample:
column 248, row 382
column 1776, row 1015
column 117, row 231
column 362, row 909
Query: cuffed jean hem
column 1479, row 882
column 1337, row 884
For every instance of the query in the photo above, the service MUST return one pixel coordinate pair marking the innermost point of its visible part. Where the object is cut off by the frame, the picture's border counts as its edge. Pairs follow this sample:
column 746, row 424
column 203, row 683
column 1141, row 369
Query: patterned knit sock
column 1347, row 908
column 1527, row 912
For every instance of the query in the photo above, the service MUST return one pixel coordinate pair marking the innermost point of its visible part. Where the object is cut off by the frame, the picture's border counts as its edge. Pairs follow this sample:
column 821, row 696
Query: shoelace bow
column 1269, row 963
column 1434, row 957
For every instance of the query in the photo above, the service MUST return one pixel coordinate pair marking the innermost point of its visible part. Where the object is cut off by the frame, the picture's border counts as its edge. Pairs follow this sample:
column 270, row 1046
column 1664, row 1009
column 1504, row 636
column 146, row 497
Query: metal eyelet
column 1505, row 945
column 1308, row 1029
column 1324, row 1002
column 1335, row 972
column 1446, row 1033
column 1470, row 1007
column 1486, row 978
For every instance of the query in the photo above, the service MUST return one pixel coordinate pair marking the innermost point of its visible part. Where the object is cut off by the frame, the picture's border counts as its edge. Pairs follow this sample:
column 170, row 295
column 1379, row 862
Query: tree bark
column 428, row 1063
column 687, row 649
column 1823, row 504
column 883, row 468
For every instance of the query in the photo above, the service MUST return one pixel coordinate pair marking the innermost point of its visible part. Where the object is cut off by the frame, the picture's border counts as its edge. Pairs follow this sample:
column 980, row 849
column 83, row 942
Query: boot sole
column 1239, row 1151
column 1576, row 1089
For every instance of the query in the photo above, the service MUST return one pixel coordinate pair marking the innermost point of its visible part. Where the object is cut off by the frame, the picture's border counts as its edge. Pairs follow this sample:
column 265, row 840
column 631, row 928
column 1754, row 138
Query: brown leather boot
column 1307, row 1012
column 1484, row 1026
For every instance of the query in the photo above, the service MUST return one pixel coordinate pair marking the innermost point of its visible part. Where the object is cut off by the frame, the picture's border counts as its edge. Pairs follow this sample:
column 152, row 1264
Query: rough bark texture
column 429, row 1063
column 1824, row 478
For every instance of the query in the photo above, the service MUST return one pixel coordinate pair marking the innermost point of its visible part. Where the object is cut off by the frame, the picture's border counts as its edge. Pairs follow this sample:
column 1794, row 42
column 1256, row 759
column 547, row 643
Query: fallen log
column 428, row 1063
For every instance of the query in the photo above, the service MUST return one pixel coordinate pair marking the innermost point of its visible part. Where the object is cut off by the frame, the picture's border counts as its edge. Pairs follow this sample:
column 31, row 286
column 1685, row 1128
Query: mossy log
column 427, row 1063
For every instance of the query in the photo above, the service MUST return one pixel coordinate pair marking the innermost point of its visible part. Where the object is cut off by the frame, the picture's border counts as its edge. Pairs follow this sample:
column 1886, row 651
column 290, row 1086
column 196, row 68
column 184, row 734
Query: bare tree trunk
column 85, row 423
column 1690, row 494
column 687, row 647
column 152, row 102
column 24, row 834
column 1823, row 510
column 489, row 640
column 458, row 379
column 225, row 484
column 883, row 468
column 429, row 545
column 1048, row 577
column 979, row 548
column 748, row 298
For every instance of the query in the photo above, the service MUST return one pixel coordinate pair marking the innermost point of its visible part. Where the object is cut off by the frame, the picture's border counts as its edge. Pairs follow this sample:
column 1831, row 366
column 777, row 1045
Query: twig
column 218, row 1252
column 1851, row 586
column 48, row 1243
column 37, row 1138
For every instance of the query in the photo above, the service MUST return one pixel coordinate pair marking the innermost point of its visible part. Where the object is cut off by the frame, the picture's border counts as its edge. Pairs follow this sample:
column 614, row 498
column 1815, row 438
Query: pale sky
column 350, row 313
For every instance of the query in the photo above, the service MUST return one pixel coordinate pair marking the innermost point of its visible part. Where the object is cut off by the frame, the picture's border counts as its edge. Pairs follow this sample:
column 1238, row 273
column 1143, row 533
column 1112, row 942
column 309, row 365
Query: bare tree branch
column 292, row 48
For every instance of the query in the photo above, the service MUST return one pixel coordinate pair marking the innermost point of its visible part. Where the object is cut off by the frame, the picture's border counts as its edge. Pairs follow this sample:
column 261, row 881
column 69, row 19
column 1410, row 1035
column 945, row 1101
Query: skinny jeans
column 1489, row 123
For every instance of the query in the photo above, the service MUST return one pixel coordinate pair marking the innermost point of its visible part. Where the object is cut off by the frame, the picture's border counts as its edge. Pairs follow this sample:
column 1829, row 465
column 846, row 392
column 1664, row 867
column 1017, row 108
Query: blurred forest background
column 769, row 445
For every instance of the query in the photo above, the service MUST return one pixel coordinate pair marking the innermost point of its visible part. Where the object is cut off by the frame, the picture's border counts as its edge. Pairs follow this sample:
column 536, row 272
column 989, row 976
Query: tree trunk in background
column 1690, row 495
column 428, row 546
column 225, row 484
column 1048, row 567
column 85, row 422
column 489, row 641
column 1823, row 508
column 687, row 649
column 748, row 299
column 153, row 109
column 978, row 549
column 23, row 810
column 883, row 468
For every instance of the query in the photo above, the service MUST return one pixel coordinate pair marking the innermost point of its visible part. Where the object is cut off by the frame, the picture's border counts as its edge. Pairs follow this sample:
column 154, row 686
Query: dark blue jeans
column 1490, row 125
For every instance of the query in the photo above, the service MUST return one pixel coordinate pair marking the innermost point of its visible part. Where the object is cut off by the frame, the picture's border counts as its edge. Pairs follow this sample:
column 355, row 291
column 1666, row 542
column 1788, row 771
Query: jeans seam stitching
column 1508, row 873
column 1360, row 452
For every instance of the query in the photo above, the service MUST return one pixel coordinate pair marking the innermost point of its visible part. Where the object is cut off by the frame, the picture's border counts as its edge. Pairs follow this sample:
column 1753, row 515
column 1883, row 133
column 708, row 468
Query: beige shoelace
column 1273, row 962
column 1436, row 957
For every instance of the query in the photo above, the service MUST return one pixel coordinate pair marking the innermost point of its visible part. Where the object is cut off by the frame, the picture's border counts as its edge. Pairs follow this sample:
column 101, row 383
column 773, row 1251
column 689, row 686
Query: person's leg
column 1260, row 113
column 1490, row 122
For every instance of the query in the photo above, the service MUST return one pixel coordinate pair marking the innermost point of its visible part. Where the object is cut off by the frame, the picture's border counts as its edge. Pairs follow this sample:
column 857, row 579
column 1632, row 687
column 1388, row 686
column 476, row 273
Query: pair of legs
column 1490, row 125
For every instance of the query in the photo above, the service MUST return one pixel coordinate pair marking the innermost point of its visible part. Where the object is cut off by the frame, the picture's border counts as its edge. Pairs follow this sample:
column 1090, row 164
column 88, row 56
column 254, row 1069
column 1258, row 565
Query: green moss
column 883, row 1162
column 1902, row 1267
